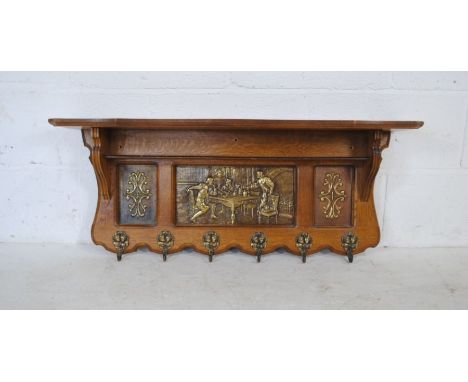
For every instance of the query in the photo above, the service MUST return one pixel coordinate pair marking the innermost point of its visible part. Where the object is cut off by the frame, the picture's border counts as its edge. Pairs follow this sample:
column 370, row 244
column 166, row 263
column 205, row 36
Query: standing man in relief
column 266, row 185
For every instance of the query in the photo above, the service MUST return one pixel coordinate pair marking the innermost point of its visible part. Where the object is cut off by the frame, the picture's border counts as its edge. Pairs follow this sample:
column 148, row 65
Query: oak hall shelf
column 256, row 185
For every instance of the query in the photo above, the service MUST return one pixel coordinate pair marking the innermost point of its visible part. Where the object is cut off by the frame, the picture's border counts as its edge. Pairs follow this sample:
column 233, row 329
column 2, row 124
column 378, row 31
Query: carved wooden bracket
column 379, row 140
column 96, row 141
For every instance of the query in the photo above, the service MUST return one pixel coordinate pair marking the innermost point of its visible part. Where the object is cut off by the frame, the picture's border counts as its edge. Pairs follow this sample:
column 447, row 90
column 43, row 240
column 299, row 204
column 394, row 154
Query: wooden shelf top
column 234, row 124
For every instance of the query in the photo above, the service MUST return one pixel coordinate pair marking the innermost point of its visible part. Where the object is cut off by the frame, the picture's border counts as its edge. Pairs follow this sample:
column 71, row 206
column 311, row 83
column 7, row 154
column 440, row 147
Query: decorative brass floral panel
column 333, row 196
column 137, row 199
column 137, row 192
column 235, row 195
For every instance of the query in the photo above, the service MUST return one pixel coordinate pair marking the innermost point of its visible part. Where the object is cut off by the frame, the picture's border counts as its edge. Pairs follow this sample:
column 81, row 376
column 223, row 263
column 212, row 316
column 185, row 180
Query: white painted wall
column 47, row 186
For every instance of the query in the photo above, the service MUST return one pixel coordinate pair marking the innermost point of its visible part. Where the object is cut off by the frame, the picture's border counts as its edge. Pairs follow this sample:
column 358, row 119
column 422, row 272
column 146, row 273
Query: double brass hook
column 258, row 242
column 120, row 240
column 303, row 243
column 211, row 242
column 165, row 241
column 349, row 243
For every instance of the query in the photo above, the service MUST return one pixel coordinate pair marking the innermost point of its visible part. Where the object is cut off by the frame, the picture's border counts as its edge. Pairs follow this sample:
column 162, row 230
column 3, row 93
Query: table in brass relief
column 234, row 202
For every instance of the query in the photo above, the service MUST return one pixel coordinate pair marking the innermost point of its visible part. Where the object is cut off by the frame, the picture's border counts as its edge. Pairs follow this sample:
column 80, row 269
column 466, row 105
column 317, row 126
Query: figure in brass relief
column 204, row 191
column 266, row 185
column 228, row 188
column 218, row 178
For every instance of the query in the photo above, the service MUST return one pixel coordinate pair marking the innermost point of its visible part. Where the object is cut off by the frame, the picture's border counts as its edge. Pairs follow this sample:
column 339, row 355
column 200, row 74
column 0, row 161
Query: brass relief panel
column 333, row 196
column 137, row 194
column 235, row 195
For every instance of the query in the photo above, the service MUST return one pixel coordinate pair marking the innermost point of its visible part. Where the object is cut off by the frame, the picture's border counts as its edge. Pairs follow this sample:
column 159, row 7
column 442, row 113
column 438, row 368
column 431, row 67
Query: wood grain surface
column 351, row 149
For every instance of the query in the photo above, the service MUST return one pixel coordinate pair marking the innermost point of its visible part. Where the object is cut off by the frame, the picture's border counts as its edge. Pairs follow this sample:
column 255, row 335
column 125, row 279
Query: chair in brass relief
column 271, row 210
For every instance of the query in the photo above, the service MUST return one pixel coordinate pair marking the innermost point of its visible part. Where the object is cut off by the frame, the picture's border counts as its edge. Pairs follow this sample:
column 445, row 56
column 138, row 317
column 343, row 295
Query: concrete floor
column 57, row 276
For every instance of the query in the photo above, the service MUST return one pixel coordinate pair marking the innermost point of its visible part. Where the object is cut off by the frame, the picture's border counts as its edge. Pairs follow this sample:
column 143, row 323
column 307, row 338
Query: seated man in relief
column 228, row 188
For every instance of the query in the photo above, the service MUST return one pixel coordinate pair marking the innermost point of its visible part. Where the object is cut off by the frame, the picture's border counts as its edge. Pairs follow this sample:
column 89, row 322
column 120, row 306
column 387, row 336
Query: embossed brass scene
column 235, row 195
column 137, row 194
